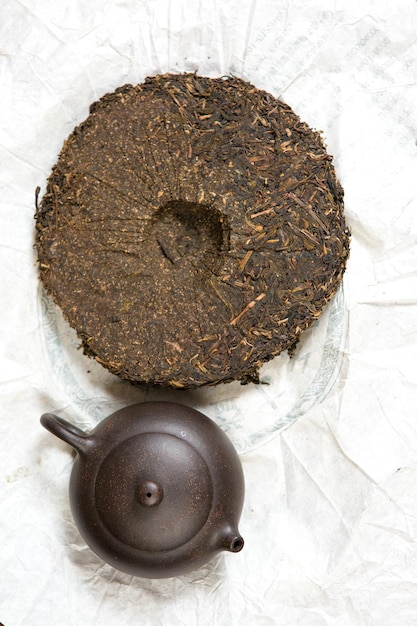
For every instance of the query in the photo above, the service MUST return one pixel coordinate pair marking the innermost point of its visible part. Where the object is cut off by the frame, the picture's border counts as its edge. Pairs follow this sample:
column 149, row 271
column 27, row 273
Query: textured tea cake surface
column 191, row 230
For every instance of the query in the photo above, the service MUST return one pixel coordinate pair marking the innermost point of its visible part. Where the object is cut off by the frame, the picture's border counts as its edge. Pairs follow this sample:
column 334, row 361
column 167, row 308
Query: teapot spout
column 231, row 540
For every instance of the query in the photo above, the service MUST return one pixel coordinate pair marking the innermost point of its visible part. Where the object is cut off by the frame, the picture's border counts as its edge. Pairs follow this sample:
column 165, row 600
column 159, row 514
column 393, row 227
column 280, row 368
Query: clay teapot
column 156, row 489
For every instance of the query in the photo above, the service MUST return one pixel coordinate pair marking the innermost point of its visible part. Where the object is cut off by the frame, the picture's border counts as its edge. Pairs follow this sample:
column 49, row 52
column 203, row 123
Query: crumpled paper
column 329, row 444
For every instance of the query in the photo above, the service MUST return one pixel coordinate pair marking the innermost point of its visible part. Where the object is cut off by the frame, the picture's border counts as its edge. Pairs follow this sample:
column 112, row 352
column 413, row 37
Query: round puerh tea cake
column 191, row 230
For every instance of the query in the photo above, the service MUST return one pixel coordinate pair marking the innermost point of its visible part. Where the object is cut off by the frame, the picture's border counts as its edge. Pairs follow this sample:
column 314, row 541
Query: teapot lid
column 154, row 491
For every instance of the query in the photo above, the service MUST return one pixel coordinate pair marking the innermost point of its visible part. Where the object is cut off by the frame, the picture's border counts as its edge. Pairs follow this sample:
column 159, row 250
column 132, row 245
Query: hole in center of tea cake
column 189, row 232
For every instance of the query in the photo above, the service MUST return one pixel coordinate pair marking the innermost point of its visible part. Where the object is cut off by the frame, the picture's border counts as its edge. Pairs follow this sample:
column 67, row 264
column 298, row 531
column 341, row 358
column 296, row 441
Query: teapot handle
column 67, row 432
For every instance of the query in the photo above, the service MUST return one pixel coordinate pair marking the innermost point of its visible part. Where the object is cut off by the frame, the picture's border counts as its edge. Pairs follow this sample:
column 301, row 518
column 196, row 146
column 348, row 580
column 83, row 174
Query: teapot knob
column 150, row 493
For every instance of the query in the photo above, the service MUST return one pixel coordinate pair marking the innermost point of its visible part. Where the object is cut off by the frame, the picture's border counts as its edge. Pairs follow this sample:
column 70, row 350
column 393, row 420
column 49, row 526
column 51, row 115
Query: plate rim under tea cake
column 191, row 230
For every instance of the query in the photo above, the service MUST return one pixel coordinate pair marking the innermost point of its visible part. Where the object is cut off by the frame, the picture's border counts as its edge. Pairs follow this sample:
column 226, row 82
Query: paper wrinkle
column 329, row 442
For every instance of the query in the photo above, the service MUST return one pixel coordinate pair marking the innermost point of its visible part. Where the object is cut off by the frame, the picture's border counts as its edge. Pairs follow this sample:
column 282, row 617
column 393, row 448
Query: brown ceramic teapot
column 156, row 489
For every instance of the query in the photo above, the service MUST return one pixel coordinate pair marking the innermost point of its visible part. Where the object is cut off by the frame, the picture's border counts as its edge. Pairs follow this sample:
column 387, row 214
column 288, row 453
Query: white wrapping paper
column 329, row 445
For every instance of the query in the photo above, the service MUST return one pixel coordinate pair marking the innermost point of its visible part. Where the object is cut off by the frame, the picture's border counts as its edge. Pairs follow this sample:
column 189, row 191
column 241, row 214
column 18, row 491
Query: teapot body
column 157, row 488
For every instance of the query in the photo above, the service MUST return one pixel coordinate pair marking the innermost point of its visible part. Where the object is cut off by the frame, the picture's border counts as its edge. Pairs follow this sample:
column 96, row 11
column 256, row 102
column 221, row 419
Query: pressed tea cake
column 191, row 230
